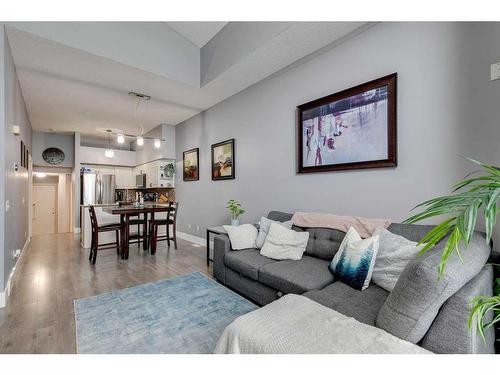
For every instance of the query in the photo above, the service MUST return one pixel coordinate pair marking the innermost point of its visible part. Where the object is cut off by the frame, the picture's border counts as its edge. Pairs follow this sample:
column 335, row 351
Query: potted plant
column 470, row 196
column 236, row 210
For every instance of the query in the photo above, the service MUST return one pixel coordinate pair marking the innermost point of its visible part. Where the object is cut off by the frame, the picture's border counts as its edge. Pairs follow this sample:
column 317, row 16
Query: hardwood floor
column 55, row 271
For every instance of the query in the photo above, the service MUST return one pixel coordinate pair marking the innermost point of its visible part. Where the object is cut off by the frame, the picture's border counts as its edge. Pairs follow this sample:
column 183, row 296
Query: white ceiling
column 199, row 33
column 70, row 89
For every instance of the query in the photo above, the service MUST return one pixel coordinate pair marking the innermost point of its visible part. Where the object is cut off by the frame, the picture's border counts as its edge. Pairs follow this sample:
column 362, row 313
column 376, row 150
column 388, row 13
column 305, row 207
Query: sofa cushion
column 279, row 216
column 362, row 305
column 247, row 262
column 296, row 276
column 419, row 293
column 323, row 242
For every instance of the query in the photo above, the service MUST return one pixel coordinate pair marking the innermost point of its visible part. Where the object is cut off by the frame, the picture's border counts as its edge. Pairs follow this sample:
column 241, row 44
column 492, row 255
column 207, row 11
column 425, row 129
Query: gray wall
column 433, row 62
column 16, row 183
column 64, row 142
column 2, row 153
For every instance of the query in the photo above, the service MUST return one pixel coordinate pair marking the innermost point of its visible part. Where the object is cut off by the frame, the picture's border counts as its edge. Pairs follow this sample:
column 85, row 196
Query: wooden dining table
column 126, row 212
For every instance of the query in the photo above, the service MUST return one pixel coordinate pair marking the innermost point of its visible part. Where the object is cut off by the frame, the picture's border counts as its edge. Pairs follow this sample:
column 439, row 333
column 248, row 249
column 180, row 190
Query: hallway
column 55, row 270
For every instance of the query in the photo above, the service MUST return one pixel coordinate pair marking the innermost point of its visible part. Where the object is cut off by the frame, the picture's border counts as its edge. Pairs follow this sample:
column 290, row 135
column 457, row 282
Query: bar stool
column 96, row 229
column 170, row 220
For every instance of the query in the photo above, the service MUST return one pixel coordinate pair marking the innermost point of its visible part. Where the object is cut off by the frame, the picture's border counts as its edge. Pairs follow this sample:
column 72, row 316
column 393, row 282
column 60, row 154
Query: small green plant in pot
column 480, row 193
column 236, row 210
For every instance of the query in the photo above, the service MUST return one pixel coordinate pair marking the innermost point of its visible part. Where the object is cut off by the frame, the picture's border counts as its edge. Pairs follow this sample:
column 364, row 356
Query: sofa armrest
column 222, row 246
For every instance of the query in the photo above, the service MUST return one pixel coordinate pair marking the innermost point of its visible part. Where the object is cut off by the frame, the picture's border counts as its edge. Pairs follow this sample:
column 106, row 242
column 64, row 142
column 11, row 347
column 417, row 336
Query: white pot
column 235, row 222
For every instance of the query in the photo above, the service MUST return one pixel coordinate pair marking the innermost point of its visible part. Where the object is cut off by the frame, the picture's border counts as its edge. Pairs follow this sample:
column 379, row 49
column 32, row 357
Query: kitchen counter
column 99, row 205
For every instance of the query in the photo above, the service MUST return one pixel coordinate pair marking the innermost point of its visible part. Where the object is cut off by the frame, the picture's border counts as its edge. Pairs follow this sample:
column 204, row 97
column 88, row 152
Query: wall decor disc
column 53, row 155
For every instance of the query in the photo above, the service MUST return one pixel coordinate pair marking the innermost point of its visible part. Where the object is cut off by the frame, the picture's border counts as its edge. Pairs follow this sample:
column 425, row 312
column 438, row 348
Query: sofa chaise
column 421, row 308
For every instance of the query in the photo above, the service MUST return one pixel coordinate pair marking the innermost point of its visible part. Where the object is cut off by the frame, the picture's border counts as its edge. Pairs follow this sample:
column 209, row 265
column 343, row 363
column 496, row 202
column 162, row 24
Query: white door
column 44, row 209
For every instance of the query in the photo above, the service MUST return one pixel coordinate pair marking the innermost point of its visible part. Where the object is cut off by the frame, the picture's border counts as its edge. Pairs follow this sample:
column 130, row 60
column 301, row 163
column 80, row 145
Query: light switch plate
column 495, row 71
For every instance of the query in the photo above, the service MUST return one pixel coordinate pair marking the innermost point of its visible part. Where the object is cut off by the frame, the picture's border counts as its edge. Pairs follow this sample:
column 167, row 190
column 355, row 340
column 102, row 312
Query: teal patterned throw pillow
column 354, row 261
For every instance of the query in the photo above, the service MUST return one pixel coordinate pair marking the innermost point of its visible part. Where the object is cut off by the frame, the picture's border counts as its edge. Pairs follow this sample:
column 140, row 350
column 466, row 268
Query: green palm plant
column 470, row 197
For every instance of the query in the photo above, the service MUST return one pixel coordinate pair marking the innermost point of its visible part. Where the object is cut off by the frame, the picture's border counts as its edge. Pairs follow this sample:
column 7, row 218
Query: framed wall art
column 352, row 129
column 223, row 160
column 190, row 165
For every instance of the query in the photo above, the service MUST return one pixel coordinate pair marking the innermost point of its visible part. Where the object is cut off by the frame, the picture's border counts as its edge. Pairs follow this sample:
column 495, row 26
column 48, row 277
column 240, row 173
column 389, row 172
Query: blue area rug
column 185, row 314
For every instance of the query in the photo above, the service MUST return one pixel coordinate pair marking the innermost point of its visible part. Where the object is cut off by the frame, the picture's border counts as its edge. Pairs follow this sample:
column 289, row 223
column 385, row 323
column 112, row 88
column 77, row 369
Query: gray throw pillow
column 265, row 224
column 414, row 303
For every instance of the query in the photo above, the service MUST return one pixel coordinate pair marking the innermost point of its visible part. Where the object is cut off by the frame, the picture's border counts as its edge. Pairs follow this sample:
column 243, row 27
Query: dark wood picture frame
column 184, row 178
column 22, row 154
column 233, row 160
column 390, row 82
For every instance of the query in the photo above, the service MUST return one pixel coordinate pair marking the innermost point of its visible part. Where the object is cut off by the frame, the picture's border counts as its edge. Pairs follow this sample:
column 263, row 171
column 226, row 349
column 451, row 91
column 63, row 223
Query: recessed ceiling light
column 140, row 141
column 157, row 143
column 120, row 138
column 40, row 174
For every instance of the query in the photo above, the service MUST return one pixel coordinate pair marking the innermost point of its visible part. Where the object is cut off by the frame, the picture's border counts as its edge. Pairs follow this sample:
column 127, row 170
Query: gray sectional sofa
column 421, row 309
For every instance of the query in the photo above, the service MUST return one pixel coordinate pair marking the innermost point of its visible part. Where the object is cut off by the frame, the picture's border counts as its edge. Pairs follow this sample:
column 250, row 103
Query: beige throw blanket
column 364, row 226
column 295, row 324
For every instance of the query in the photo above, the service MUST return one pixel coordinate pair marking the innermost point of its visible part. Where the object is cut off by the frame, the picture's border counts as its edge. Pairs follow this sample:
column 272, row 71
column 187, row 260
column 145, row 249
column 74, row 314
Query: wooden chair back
column 172, row 215
column 93, row 220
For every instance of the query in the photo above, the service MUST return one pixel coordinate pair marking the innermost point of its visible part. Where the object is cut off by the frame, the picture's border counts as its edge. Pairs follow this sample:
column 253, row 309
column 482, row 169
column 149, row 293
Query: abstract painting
column 351, row 129
column 223, row 165
column 190, row 165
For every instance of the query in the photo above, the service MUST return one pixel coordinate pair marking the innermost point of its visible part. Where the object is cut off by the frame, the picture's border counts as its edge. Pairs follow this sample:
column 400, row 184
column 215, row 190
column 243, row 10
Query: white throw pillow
column 354, row 261
column 265, row 224
column 394, row 253
column 282, row 243
column 241, row 236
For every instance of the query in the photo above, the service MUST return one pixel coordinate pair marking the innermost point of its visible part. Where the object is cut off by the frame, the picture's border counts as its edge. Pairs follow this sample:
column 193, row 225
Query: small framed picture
column 223, row 160
column 190, row 165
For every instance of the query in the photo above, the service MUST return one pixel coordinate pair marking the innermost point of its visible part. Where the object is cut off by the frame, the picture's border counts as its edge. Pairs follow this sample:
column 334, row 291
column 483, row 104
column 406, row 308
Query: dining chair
column 96, row 229
column 170, row 220
column 137, row 238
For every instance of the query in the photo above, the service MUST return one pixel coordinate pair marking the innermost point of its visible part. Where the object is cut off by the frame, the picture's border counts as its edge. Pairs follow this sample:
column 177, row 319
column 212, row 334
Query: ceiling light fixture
column 40, row 174
column 120, row 138
column 157, row 143
column 140, row 141
column 109, row 153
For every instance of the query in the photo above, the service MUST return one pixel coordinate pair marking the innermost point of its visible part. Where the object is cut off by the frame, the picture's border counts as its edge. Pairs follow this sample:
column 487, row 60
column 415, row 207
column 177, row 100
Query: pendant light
column 139, row 139
column 109, row 153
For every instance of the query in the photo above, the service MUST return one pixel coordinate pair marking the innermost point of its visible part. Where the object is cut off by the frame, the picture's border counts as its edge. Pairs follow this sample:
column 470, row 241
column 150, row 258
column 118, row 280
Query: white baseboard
column 77, row 230
column 194, row 239
column 4, row 296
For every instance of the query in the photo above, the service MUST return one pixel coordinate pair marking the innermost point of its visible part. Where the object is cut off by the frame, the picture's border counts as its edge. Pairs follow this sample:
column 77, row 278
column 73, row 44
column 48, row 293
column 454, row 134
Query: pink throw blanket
column 364, row 226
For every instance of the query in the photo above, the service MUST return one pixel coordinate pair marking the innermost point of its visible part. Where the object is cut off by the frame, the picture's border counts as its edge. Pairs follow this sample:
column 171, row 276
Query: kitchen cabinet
column 123, row 178
column 155, row 173
column 158, row 174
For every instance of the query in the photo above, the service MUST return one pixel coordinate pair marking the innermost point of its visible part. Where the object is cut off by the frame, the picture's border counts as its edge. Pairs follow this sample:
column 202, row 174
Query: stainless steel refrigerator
column 98, row 188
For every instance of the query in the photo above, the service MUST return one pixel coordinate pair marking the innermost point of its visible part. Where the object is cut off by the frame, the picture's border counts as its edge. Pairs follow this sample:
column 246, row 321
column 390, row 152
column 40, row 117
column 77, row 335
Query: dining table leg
column 153, row 248
column 145, row 232
column 122, row 235
column 126, row 237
